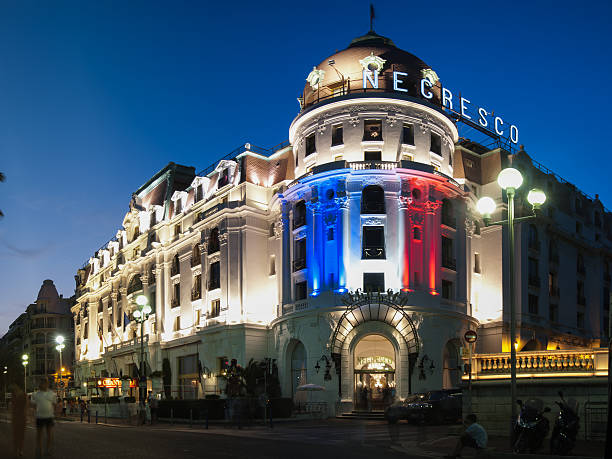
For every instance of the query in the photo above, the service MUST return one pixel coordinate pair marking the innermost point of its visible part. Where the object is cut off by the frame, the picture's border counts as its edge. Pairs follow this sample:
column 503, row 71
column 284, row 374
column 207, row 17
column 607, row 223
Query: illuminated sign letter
column 426, row 94
column 396, row 81
column 447, row 96
column 498, row 122
column 514, row 134
column 367, row 76
column 483, row 120
column 465, row 102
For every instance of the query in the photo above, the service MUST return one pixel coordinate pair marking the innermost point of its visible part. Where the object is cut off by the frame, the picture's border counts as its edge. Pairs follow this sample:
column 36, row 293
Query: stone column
column 342, row 232
column 285, row 253
column 432, row 253
column 404, row 242
column 315, row 247
column 462, row 253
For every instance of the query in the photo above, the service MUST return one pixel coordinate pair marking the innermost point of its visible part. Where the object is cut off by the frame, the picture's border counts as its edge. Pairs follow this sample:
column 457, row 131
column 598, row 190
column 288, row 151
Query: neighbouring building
column 353, row 255
column 34, row 333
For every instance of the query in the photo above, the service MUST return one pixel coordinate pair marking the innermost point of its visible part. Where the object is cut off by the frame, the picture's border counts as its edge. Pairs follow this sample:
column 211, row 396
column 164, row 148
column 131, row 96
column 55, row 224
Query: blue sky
column 95, row 97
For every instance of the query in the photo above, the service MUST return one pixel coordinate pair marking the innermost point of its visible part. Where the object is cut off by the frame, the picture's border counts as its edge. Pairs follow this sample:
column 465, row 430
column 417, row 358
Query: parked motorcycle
column 531, row 426
column 566, row 427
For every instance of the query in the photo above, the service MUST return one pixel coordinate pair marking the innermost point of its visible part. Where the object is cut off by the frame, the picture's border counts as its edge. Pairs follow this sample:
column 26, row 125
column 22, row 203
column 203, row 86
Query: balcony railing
column 541, row 364
column 449, row 263
column 174, row 303
column 376, row 165
column 125, row 345
column 373, row 253
column 299, row 221
column 214, row 284
column 196, row 261
column 299, row 264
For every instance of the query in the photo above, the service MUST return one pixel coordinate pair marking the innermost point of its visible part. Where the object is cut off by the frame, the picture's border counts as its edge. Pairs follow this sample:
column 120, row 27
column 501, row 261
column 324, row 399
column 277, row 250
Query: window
column 417, row 278
column 372, row 156
column 214, row 281
column 176, row 295
column 213, row 241
column 373, row 200
column 436, row 144
column 196, row 289
column 272, row 265
column 372, row 130
column 534, row 243
column 373, row 282
column 310, row 144
column 196, row 256
column 580, row 264
column 533, row 272
column 271, row 230
column 448, row 214
column 408, row 134
column 337, row 135
column 175, row 267
column 330, row 234
column 553, row 288
column 152, row 278
column 448, row 259
column 578, row 228
column 580, row 299
column 477, row 268
column 416, row 233
column 299, row 255
column 533, row 304
column 580, row 319
column 215, row 308
column 447, row 289
column 100, row 306
column 135, row 285
column 553, row 312
column 373, row 244
column 299, row 214
column 177, row 229
column 300, row 291
column 178, row 206
column 223, row 178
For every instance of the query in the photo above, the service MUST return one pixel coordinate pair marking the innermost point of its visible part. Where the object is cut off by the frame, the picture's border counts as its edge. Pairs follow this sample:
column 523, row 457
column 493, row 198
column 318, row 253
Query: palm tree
column 1, row 180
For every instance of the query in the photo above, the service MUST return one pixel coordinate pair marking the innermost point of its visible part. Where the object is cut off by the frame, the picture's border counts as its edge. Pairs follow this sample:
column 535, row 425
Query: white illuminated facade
column 353, row 256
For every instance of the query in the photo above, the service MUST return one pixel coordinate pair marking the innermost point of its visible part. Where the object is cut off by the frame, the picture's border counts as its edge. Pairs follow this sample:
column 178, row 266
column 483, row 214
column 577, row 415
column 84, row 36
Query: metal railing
column 449, row 263
column 126, row 344
column 373, row 253
column 376, row 165
column 299, row 264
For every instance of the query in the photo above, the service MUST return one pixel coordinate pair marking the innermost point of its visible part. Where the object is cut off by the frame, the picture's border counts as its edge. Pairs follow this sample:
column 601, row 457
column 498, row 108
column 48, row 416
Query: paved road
column 325, row 439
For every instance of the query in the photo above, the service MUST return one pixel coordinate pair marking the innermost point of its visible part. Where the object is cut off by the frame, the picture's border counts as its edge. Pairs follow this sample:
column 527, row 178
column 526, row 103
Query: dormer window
column 223, row 178
column 372, row 130
column 310, row 145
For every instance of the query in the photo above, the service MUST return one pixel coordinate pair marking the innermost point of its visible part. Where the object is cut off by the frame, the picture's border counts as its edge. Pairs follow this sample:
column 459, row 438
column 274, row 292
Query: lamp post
column 24, row 361
column 510, row 180
column 141, row 314
column 5, row 372
column 59, row 339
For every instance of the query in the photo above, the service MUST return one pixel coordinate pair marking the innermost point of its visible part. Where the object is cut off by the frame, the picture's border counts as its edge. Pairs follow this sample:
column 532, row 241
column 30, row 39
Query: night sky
column 95, row 97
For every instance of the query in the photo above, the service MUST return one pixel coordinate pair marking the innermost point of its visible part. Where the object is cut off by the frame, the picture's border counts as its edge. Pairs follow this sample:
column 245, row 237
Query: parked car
column 435, row 407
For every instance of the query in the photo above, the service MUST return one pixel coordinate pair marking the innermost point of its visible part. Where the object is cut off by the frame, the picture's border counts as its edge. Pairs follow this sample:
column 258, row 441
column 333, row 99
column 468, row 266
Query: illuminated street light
column 25, row 360
column 59, row 339
column 510, row 180
column 141, row 315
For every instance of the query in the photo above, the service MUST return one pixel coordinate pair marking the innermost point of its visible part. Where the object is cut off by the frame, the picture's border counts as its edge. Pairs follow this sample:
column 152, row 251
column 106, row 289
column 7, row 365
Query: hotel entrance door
column 374, row 373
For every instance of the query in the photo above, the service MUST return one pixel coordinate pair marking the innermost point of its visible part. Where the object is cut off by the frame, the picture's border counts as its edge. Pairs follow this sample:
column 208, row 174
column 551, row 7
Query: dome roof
column 342, row 72
column 48, row 291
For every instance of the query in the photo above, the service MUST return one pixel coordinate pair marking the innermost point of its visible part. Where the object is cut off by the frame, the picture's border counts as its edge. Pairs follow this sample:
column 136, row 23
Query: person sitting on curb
column 474, row 436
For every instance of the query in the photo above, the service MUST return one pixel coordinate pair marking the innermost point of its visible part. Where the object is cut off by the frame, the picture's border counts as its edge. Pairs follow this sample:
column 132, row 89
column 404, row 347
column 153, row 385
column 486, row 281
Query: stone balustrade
column 536, row 364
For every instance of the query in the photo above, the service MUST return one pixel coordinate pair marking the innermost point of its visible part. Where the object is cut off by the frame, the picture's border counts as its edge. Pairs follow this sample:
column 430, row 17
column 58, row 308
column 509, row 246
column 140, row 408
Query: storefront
column 374, row 370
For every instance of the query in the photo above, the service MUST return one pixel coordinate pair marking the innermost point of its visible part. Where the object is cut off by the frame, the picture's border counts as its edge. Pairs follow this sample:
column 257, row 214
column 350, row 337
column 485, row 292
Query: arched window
column 298, row 367
column 175, row 268
column 213, row 241
column 135, row 284
column 451, row 367
column 448, row 213
column 136, row 233
column 373, row 200
column 533, row 238
column 299, row 214
column 196, row 256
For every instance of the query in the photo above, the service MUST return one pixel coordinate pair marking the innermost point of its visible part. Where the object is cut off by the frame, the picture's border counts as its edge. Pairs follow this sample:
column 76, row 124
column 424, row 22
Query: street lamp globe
column 510, row 178
column 141, row 300
column 536, row 198
column 137, row 313
column 25, row 357
column 59, row 339
column 146, row 309
column 486, row 206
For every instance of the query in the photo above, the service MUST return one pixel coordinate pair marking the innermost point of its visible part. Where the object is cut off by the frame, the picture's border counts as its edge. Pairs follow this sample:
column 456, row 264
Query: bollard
column 171, row 415
column 190, row 417
column 96, row 416
column 206, row 414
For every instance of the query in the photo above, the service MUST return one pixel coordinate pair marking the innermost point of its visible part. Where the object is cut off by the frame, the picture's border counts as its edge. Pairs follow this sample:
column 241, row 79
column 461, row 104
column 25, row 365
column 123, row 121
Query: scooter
column 531, row 426
column 564, row 433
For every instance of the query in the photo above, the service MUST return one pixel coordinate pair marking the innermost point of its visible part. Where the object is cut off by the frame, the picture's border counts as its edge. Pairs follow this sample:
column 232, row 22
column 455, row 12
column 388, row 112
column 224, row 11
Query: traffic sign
column 470, row 336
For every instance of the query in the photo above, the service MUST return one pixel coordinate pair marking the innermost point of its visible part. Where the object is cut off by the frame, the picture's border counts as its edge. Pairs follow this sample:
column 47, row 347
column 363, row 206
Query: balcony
column 213, row 248
column 299, row 221
column 197, row 261
column 299, row 264
column 449, row 263
column 373, row 165
column 541, row 364
column 127, row 346
column 373, row 253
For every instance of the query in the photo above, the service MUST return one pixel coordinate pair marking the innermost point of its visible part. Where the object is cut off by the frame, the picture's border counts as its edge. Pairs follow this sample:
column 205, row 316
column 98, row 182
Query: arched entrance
column 374, row 370
column 451, row 360
column 298, row 367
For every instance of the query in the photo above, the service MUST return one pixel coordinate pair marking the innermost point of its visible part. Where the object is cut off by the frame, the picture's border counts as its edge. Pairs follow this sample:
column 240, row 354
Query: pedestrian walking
column 64, row 407
column 44, row 400
column 153, row 405
column 18, row 418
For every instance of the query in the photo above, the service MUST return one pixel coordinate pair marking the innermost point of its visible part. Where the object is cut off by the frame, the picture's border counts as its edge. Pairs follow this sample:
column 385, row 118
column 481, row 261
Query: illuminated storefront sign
column 375, row 362
column 114, row 383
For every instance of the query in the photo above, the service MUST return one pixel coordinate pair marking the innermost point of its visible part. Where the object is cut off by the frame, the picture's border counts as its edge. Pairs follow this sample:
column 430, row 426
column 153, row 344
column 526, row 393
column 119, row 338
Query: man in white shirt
column 44, row 400
column 474, row 436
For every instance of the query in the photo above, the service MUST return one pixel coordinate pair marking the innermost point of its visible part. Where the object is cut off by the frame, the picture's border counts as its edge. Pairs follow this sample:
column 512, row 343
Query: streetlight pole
column 24, row 361
column 510, row 179
column 59, row 339
column 141, row 314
